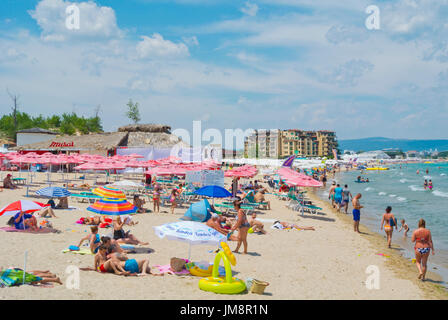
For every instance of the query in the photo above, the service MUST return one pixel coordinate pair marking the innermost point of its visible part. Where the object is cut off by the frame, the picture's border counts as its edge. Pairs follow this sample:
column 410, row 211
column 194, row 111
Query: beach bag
column 177, row 264
column 392, row 222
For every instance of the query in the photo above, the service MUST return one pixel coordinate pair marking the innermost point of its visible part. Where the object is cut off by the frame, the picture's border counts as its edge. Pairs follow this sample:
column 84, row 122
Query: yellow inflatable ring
column 198, row 272
column 219, row 285
column 228, row 253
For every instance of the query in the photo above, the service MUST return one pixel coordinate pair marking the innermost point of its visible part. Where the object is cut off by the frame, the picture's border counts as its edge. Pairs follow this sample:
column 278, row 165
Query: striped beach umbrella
column 53, row 192
column 109, row 192
column 112, row 207
column 26, row 206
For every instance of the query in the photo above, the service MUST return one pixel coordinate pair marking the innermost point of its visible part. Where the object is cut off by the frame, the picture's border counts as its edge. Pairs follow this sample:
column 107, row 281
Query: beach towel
column 167, row 269
column 14, row 277
column 80, row 251
column 12, row 229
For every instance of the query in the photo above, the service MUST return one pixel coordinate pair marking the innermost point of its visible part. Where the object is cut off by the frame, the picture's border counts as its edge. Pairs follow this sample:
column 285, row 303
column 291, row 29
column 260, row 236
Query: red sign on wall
column 61, row 144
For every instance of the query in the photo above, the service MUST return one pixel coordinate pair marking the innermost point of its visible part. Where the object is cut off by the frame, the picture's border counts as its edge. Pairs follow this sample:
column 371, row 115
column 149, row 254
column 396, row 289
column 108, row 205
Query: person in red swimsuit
column 423, row 245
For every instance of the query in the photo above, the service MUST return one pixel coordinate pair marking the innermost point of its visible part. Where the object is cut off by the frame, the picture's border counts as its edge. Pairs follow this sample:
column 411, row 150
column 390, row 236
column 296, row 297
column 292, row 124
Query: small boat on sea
column 378, row 168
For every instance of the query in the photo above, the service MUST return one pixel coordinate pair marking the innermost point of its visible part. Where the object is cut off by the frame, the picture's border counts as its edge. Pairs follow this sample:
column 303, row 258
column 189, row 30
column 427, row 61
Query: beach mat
column 80, row 251
column 12, row 229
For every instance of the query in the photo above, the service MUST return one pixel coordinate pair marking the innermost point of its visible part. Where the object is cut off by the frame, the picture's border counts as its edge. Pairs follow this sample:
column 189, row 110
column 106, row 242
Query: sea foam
column 439, row 193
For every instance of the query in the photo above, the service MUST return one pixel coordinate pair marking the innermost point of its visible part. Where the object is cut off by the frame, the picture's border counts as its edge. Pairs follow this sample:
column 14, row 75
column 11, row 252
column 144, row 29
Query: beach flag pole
column 189, row 251
column 24, row 266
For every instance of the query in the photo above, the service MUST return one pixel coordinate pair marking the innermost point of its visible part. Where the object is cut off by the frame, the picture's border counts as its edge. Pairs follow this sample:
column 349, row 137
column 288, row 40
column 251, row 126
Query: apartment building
column 283, row 143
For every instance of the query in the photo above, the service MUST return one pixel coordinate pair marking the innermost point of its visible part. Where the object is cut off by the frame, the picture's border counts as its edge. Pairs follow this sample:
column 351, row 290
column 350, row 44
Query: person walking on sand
column 423, row 245
column 389, row 221
column 346, row 196
column 356, row 211
column 242, row 225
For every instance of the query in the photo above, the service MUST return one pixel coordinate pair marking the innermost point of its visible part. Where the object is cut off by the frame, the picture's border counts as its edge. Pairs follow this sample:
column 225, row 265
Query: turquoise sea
column 402, row 189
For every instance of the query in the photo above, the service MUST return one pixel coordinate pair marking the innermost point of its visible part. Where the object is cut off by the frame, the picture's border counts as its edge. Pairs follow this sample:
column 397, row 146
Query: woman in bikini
column 156, row 197
column 423, row 245
column 242, row 225
column 389, row 221
column 173, row 200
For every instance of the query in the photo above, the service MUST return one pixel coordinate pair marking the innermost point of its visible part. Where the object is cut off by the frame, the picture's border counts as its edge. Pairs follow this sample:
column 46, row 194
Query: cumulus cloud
column 191, row 41
column 346, row 34
column 348, row 73
column 250, row 9
column 94, row 21
column 157, row 47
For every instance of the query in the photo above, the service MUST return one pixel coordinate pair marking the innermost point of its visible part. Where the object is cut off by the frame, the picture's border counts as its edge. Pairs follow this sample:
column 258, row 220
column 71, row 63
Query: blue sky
column 233, row 64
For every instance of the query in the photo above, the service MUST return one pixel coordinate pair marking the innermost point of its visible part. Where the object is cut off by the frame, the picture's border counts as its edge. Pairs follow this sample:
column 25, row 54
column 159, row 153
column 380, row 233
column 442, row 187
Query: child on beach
column 405, row 227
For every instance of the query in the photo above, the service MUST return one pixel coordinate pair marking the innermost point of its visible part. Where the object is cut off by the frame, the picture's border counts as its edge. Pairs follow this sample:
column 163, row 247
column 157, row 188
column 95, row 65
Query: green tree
column 133, row 112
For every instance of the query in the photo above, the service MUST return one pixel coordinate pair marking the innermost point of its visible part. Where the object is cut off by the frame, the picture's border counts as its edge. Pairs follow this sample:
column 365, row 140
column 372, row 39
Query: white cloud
column 157, row 47
column 250, row 9
column 191, row 41
column 95, row 21
column 349, row 73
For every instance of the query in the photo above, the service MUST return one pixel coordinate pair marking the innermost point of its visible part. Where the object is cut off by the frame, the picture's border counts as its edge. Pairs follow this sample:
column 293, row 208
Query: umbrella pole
column 24, row 266
column 189, row 251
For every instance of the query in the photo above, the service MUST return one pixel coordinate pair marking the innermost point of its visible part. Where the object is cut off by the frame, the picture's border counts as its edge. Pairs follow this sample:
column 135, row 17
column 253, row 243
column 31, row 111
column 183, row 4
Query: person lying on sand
column 138, row 267
column 215, row 223
column 104, row 265
column 95, row 220
column 45, row 276
column 128, row 267
column 45, row 212
column 285, row 225
column 256, row 225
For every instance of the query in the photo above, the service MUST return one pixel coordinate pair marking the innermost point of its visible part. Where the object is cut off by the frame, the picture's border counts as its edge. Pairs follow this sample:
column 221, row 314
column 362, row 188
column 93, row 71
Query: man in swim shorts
column 338, row 196
column 356, row 212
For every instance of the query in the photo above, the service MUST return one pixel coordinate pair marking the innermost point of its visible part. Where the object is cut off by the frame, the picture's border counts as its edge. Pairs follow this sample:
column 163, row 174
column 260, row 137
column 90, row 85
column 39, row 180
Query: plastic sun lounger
column 230, row 207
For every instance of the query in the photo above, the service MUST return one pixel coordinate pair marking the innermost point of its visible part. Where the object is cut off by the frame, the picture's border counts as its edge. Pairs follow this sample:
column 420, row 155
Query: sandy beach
column 329, row 263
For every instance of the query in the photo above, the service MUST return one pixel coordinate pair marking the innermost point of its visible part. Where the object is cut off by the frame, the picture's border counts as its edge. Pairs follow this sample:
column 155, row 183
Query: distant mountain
column 380, row 143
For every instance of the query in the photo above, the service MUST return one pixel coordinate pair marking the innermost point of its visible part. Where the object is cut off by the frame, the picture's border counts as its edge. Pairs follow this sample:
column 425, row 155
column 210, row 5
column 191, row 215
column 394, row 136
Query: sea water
column 402, row 189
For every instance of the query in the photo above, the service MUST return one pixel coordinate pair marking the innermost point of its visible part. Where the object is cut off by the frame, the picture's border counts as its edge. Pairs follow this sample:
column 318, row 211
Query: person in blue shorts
column 338, row 196
column 356, row 211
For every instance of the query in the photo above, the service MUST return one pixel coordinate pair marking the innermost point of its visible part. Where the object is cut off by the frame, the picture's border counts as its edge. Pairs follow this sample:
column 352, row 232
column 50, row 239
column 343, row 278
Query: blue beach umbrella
column 213, row 192
column 53, row 192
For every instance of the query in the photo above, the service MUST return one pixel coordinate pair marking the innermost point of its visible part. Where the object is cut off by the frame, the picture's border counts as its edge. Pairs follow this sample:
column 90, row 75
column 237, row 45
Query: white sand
column 329, row 263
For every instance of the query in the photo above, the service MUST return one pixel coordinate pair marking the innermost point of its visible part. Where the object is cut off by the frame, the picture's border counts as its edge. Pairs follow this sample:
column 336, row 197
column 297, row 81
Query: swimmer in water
column 427, row 171
column 418, row 171
column 425, row 184
column 430, row 185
